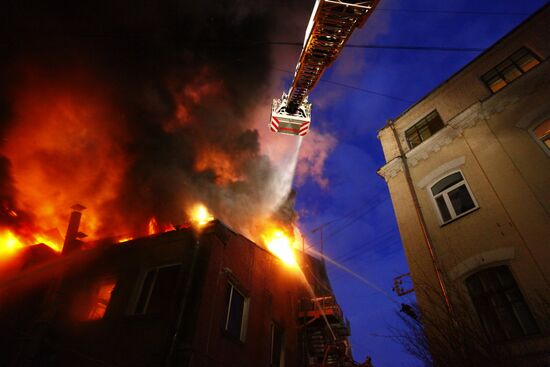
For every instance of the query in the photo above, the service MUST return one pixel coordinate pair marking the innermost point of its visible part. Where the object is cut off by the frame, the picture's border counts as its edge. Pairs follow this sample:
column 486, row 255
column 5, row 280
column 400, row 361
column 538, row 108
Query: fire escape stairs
column 325, row 330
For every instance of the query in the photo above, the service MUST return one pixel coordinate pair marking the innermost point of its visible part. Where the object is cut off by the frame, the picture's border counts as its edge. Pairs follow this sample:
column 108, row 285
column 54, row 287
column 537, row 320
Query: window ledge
column 460, row 216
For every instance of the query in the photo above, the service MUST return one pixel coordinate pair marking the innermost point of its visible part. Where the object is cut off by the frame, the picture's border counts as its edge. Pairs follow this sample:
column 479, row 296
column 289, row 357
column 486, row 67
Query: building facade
column 181, row 298
column 468, row 171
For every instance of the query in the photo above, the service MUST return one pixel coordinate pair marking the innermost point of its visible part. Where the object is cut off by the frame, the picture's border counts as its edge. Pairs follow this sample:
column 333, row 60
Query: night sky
column 364, row 235
column 164, row 86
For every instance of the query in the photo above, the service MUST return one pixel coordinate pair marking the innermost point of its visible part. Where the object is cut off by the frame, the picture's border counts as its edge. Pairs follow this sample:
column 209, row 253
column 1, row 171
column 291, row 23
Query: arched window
column 500, row 304
column 452, row 197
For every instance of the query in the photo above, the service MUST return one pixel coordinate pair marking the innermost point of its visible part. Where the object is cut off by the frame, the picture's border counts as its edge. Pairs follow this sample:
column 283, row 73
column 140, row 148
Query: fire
column 48, row 242
column 124, row 239
column 200, row 215
column 153, row 227
column 63, row 145
column 10, row 243
column 280, row 244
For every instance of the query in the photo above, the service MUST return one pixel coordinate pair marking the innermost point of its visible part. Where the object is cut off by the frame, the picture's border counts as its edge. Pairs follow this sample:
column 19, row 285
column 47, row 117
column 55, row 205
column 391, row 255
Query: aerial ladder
column 330, row 27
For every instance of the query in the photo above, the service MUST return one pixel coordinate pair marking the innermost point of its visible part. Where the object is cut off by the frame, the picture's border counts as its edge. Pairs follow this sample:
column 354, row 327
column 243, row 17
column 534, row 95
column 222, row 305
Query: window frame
column 538, row 140
column 502, row 290
column 273, row 327
column 415, row 127
column 496, row 70
column 134, row 310
column 244, row 319
column 109, row 281
column 446, row 199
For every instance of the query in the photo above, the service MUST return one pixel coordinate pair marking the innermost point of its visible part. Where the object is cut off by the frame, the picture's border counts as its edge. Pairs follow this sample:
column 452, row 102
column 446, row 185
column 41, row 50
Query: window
column 513, row 67
column 157, row 289
column 276, row 345
column 452, row 197
column 102, row 296
column 236, row 313
column 542, row 133
column 423, row 129
column 500, row 305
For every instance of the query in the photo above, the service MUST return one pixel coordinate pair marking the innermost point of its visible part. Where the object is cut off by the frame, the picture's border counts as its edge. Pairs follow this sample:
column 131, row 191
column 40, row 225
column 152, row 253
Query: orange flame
column 64, row 146
column 11, row 243
column 200, row 215
column 281, row 245
column 153, row 227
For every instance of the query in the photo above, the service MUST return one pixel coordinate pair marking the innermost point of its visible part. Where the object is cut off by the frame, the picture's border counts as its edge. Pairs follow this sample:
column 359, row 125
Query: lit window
column 102, row 297
column 453, row 197
column 157, row 289
column 500, row 304
column 423, row 129
column 542, row 133
column 276, row 345
column 236, row 313
column 513, row 67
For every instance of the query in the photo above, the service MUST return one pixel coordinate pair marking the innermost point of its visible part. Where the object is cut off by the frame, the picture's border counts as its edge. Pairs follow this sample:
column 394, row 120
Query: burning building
column 188, row 297
column 140, row 110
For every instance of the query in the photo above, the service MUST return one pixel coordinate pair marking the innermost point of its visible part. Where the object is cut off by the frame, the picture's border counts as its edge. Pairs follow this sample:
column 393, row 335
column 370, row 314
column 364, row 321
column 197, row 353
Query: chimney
column 72, row 242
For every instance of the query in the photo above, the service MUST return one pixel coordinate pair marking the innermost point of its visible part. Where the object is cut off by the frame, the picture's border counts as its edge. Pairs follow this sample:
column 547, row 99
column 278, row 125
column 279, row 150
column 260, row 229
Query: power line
column 353, row 87
column 365, row 90
column 419, row 48
column 390, row 47
column 366, row 209
column 459, row 12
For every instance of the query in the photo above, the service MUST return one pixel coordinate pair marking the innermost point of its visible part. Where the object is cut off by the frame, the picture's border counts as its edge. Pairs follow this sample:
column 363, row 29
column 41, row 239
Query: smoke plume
column 137, row 110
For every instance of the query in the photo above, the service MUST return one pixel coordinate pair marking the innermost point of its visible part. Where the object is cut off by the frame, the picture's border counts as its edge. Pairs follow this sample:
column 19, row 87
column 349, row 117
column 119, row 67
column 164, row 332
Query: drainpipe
column 421, row 220
column 183, row 304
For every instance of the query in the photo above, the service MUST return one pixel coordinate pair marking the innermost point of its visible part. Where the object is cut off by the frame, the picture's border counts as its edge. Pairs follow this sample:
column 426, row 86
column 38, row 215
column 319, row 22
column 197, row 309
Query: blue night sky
column 364, row 236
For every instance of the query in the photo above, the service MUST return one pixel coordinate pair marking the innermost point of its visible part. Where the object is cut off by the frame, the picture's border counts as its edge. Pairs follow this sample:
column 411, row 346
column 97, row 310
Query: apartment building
column 468, row 171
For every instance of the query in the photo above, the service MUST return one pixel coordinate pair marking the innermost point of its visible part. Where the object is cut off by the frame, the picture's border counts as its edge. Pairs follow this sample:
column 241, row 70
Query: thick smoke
column 138, row 109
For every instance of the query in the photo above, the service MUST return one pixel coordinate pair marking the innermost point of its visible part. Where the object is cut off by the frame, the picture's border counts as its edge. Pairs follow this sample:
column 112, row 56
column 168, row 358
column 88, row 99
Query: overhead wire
column 388, row 47
column 367, row 209
column 457, row 12
column 352, row 87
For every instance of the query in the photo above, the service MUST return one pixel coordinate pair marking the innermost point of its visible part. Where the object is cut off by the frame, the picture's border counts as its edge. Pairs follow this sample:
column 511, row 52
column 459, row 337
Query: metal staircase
column 325, row 332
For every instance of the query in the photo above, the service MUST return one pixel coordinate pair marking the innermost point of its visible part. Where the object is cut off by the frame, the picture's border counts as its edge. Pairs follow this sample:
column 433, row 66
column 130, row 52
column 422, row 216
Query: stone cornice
column 391, row 169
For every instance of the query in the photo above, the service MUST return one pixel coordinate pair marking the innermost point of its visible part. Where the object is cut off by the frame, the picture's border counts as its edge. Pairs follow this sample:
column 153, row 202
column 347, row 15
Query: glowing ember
column 280, row 245
column 200, row 215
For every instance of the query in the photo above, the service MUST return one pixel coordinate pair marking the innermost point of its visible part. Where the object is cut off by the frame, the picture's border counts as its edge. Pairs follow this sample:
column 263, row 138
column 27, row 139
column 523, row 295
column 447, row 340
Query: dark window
column 500, row 304
column 452, row 197
column 513, row 67
column 276, row 344
column 423, row 129
column 236, row 312
column 157, row 289
column 542, row 133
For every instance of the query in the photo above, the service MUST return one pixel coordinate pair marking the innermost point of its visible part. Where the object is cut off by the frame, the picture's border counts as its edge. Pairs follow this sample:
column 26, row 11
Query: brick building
column 180, row 298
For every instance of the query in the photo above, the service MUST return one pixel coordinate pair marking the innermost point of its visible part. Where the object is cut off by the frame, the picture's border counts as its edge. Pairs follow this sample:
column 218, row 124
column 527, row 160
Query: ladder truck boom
column 331, row 25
